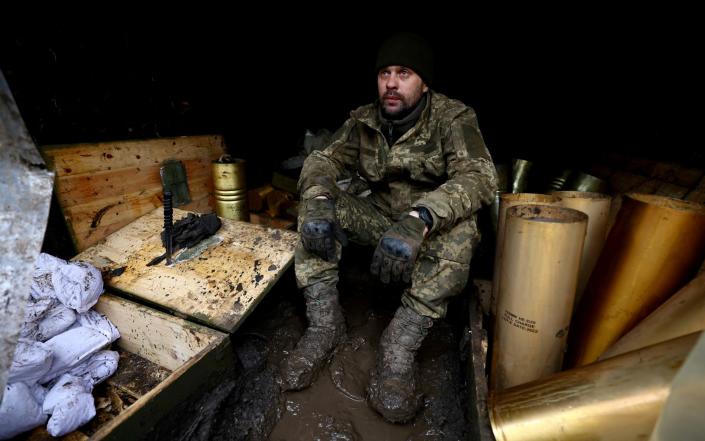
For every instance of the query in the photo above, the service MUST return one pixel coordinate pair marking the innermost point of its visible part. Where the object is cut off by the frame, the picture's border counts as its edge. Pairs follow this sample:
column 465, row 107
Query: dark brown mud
column 335, row 407
column 250, row 405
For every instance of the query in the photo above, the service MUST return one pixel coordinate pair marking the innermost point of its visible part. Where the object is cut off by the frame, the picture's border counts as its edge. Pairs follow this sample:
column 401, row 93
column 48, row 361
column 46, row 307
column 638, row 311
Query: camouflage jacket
column 441, row 163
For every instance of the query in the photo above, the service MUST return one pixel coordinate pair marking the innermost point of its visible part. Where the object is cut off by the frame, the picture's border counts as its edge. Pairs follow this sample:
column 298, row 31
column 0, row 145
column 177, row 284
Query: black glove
column 319, row 228
column 397, row 250
column 192, row 229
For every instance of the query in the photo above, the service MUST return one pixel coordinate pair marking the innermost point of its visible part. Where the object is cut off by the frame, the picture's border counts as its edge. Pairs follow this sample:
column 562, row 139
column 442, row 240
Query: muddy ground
column 250, row 405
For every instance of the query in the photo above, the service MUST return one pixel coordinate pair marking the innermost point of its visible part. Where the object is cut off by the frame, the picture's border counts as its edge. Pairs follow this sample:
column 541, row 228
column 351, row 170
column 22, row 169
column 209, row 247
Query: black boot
column 326, row 329
column 392, row 390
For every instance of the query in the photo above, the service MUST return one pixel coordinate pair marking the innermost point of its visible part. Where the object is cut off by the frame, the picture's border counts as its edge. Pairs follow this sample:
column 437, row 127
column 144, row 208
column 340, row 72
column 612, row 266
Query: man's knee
column 456, row 245
column 310, row 268
column 361, row 220
column 433, row 283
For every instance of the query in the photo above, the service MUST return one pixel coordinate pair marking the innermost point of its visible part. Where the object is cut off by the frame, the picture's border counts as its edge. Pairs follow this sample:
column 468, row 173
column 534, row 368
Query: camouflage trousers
column 441, row 270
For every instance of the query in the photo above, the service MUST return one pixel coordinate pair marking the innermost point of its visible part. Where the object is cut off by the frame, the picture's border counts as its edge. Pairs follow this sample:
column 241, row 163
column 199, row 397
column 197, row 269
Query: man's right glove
column 319, row 228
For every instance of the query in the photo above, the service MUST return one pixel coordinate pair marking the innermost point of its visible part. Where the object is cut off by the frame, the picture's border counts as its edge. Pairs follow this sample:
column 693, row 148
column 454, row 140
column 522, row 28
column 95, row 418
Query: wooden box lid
column 218, row 287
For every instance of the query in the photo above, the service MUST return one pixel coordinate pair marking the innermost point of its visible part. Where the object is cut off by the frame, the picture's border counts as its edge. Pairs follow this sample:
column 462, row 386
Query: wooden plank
column 477, row 342
column 136, row 376
column 273, row 222
column 160, row 338
column 201, row 373
column 285, row 183
column 219, row 287
column 120, row 207
column 76, row 159
column 649, row 187
column 624, row 182
column 102, row 187
column 672, row 191
column 200, row 358
column 677, row 174
column 80, row 189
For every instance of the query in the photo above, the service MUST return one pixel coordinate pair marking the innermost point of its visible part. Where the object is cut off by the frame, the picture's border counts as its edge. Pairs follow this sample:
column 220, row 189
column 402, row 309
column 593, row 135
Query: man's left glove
column 397, row 250
column 319, row 228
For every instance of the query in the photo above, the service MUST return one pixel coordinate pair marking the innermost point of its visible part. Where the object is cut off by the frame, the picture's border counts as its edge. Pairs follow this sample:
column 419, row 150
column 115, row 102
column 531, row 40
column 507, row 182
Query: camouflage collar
column 369, row 114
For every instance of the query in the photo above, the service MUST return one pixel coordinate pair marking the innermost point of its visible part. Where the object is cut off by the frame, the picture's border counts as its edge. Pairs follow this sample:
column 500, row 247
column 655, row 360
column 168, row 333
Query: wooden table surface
column 218, row 287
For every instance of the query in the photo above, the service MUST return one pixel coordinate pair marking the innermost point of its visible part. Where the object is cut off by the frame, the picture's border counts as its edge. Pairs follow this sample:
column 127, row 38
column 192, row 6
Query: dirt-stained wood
column 201, row 373
column 219, row 287
column 163, row 359
column 104, row 186
column 136, row 376
column 163, row 339
column 185, row 360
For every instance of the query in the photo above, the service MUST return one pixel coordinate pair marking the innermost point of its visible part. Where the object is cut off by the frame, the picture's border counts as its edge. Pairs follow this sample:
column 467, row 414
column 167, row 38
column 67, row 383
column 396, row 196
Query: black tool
column 168, row 223
column 156, row 260
column 188, row 232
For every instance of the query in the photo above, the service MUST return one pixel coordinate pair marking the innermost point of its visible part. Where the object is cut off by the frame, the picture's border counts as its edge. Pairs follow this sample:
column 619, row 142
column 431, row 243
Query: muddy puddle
column 335, row 408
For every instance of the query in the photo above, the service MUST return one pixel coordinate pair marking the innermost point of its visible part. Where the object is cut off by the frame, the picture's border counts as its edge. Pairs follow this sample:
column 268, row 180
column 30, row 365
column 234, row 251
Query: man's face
column 400, row 88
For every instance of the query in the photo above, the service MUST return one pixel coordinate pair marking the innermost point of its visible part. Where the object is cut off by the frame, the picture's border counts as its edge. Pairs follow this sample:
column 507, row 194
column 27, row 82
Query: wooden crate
column 188, row 353
column 197, row 356
column 164, row 361
column 104, row 186
column 218, row 287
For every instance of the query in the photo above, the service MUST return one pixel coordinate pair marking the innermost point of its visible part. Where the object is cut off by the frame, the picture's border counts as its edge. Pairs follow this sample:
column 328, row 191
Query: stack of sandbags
column 60, row 356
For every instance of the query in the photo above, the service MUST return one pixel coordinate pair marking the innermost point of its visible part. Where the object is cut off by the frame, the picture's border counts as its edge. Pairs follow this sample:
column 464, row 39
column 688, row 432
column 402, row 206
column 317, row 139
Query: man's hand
column 397, row 250
column 319, row 229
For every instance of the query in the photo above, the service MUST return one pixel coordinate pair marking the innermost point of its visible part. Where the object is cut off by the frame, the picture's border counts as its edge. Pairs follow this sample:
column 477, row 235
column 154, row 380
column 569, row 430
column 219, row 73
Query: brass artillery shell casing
column 654, row 247
column 520, row 175
column 230, row 188
column 558, row 182
column 614, row 400
column 542, row 250
column 508, row 200
column 584, row 182
column 502, row 177
column 597, row 208
column 682, row 314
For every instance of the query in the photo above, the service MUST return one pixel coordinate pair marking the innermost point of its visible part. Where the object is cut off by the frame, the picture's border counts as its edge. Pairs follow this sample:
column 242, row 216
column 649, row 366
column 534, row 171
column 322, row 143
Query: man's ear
column 425, row 88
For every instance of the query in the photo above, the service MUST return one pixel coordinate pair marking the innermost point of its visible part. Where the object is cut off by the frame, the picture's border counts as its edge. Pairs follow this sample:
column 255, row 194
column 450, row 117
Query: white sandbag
column 56, row 320
column 65, row 389
column 78, row 285
column 42, row 286
column 19, row 411
column 32, row 360
column 100, row 323
column 36, row 309
column 29, row 331
column 71, row 348
column 72, row 414
column 39, row 393
column 75, row 284
column 99, row 367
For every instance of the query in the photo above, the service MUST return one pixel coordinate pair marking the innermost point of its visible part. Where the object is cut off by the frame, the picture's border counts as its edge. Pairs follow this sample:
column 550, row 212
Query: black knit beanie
column 409, row 50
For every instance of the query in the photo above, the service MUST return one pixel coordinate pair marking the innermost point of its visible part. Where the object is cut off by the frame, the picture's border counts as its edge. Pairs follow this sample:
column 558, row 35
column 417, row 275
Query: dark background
column 559, row 92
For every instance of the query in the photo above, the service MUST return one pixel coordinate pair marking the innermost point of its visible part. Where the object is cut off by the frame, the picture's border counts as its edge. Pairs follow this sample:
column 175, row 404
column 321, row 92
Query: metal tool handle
column 168, row 222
